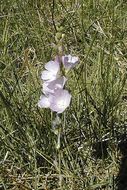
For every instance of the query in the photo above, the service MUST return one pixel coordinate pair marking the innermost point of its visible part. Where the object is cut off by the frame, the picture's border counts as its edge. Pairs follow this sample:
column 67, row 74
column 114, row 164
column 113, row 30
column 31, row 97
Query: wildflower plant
column 54, row 95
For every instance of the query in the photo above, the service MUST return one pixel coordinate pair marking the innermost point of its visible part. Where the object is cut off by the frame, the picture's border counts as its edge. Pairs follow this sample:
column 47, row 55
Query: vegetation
column 93, row 128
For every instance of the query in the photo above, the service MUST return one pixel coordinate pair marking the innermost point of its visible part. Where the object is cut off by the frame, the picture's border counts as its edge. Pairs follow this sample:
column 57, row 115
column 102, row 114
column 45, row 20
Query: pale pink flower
column 50, row 87
column 60, row 100
column 69, row 61
column 51, row 72
column 57, row 102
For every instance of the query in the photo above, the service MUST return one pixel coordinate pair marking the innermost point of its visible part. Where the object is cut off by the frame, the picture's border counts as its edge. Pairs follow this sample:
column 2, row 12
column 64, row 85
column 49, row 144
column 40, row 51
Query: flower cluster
column 54, row 95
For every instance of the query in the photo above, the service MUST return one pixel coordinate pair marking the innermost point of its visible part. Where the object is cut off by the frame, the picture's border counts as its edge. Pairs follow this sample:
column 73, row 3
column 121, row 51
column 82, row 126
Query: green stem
column 59, row 157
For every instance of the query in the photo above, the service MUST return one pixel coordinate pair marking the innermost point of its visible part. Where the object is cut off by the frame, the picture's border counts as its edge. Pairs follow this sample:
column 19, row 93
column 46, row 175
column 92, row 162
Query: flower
column 57, row 102
column 55, row 97
column 69, row 61
column 50, row 87
column 60, row 100
column 51, row 72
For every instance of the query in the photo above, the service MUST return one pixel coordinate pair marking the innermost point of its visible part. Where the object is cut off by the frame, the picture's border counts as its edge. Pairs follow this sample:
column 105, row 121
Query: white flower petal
column 47, row 75
column 58, row 83
column 74, row 60
column 46, row 90
column 53, row 66
column 43, row 102
column 60, row 100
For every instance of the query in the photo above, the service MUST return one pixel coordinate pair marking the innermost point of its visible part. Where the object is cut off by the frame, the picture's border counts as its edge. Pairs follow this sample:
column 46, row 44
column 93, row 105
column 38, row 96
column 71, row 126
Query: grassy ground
column 94, row 126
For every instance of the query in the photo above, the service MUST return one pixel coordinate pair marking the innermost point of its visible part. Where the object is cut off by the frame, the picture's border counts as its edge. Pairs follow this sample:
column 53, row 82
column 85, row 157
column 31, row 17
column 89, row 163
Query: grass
column 95, row 123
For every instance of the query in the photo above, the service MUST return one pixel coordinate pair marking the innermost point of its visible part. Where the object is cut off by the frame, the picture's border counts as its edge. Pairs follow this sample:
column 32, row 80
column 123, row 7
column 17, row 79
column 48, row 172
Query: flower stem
column 59, row 157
